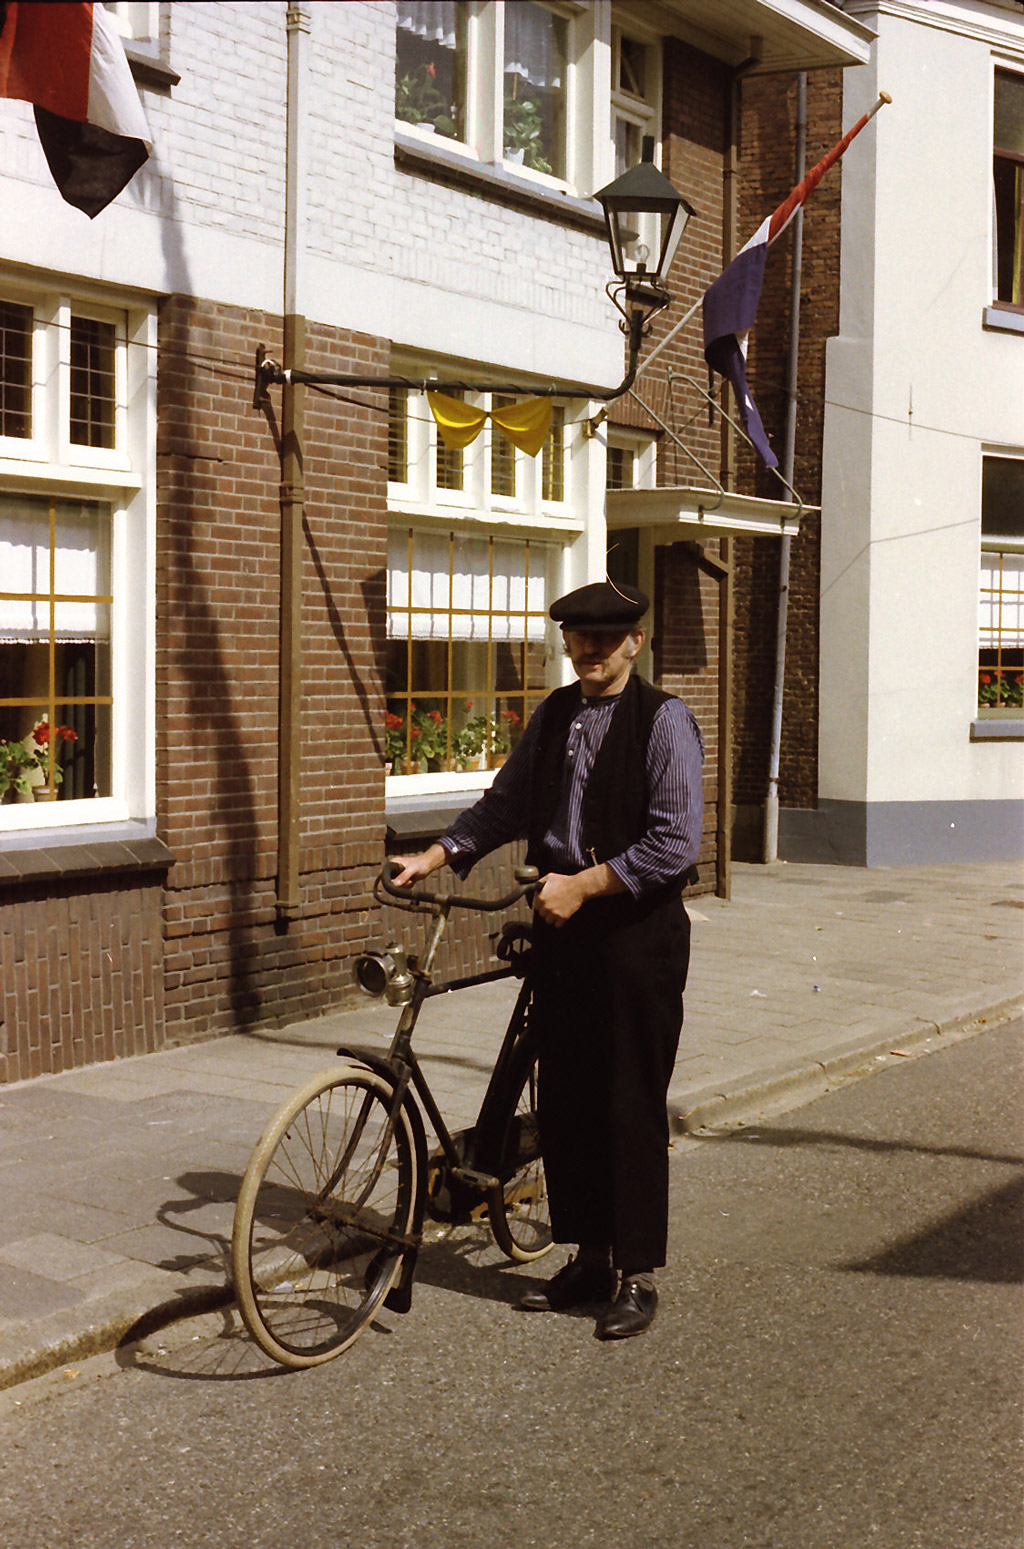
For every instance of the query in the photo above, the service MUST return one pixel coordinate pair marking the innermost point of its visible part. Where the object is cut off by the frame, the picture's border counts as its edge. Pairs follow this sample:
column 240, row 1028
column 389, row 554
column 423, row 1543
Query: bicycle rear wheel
column 323, row 1215
column 518, row 1210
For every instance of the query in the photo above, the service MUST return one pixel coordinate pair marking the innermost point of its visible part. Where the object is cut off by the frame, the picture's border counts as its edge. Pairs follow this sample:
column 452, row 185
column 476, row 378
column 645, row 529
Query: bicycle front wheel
column 323, row 1216
column 518, row 1210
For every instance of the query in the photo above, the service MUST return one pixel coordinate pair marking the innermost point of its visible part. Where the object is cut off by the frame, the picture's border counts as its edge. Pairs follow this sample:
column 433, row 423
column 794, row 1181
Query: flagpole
column 652, row 355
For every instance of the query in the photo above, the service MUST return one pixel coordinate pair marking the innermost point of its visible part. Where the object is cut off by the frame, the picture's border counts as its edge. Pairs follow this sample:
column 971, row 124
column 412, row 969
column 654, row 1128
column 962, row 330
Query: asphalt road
column 835, row 1365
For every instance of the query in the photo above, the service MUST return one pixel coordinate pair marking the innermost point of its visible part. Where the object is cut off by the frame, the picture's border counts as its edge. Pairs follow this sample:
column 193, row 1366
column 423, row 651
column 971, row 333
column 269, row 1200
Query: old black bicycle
column 330, row 1214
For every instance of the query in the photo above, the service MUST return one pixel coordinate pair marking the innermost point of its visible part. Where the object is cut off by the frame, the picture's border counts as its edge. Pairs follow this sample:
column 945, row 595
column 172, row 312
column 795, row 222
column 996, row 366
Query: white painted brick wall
column 207, row 212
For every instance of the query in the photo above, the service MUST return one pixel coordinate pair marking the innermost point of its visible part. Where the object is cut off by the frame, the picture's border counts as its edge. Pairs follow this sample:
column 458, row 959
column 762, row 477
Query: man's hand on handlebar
column 414, row 868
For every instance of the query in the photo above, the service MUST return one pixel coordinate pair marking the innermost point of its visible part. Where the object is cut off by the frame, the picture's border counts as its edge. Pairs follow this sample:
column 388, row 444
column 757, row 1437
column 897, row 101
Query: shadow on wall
column 373, row 590
column 198, row 646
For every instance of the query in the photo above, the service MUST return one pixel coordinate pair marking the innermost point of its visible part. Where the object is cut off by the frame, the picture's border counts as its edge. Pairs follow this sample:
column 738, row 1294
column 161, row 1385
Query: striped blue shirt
column 675, row 755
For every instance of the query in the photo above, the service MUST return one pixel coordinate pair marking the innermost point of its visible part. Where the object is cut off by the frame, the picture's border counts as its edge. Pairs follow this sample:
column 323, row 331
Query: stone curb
column 114, row 1320
column 118, row 1320
column 728, row 1105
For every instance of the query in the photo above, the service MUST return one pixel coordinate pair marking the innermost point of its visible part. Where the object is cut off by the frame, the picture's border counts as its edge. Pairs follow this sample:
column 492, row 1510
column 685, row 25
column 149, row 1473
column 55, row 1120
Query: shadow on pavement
column 983, row 1242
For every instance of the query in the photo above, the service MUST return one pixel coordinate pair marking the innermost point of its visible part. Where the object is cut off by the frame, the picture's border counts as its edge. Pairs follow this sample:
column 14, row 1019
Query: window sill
column 423, row 806
column 998, row 729
column 496, row 182
column 148, row 68
column 1002, row 320
column 107, row 849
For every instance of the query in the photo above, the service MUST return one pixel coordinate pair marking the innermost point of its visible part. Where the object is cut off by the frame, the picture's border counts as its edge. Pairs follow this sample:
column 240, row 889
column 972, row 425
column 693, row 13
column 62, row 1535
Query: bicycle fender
column 399, row 1298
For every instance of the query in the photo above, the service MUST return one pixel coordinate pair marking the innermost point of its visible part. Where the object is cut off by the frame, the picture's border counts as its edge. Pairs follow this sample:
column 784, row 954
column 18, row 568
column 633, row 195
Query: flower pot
column 516, row 155
column 495, row 760
column 44, row 792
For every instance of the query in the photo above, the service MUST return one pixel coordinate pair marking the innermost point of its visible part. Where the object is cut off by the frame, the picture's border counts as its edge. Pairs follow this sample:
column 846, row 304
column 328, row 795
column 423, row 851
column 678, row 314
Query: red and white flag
column 70, row 63
column 730, row 304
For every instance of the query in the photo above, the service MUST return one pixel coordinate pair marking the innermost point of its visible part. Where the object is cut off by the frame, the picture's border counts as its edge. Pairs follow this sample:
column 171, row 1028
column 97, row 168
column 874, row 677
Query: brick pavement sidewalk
column 119, row 1181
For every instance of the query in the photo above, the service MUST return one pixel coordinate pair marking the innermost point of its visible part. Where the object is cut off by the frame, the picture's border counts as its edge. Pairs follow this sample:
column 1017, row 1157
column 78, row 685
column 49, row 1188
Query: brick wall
column 686, row 600
column 768, row 139
column 80, row 976
column 686, row 662
column 228, row 963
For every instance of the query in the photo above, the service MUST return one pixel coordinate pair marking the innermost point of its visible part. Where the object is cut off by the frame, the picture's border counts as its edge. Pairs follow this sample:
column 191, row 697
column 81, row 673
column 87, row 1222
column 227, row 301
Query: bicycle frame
column 402, row 1068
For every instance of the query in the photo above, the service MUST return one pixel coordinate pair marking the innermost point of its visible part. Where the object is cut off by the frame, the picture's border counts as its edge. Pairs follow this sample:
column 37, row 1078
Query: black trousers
column 608, row 1007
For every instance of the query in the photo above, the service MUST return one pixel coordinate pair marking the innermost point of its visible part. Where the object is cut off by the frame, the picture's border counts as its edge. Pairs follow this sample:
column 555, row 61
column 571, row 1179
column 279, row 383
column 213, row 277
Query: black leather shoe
column 574, row 1284
column 632, row 1312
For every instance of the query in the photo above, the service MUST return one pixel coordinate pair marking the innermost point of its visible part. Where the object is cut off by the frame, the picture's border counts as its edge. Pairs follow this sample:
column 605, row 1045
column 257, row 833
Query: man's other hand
column 558, row 897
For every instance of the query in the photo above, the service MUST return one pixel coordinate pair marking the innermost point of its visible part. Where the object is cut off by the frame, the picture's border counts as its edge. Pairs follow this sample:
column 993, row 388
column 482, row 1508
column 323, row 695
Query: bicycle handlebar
column 526, row 878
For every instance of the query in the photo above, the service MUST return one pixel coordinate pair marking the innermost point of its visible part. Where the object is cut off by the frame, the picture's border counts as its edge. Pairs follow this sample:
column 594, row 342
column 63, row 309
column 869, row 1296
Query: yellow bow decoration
column 527, row 425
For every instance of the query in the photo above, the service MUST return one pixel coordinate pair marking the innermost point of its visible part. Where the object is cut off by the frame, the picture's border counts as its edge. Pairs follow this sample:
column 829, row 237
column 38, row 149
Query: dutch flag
column 730, row 304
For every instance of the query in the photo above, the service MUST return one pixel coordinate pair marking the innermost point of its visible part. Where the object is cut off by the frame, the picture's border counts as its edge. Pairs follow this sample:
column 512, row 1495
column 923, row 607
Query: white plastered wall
column 915, row 390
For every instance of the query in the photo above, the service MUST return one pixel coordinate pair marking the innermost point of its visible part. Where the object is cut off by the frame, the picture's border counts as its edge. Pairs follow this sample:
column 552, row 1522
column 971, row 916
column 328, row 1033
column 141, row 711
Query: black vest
column 615, row 801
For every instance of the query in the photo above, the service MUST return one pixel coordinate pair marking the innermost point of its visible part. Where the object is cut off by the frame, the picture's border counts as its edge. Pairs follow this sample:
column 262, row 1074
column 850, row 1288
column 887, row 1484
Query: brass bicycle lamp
column 385, row 974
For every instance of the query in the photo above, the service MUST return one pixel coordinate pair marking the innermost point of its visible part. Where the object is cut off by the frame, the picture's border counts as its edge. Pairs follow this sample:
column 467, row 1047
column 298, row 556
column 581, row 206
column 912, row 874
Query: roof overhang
column 783, row 35
column 681, row 512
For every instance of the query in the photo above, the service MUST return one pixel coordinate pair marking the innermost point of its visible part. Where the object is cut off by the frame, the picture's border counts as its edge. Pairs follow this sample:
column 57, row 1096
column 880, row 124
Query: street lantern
column 643, row 190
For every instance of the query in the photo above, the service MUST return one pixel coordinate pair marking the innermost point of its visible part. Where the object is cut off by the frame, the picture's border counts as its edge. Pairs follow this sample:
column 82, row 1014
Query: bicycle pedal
column 476, row 1180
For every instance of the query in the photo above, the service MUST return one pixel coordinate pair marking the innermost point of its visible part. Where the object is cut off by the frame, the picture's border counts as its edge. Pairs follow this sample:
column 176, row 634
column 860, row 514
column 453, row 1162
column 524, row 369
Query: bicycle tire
column 518, row 1210
column 323, row 1216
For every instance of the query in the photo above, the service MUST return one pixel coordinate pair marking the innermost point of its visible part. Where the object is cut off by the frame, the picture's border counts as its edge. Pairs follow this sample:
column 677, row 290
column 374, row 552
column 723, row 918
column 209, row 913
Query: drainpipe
column 288, row 902
column 770, row 848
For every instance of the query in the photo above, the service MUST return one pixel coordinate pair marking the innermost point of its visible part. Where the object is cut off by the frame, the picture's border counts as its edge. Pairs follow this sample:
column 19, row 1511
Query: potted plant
column 415, row 742
column 17, row 765
column 394, row 740
column 501, row 737
column 25, row 765
column 471, row 744
column 1001, row 688
column 418, row 101
column 523, row 135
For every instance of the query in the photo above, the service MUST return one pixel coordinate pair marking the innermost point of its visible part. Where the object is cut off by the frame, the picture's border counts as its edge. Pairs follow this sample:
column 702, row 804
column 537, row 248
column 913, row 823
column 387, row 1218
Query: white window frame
column 485, row 94
column 124, row 477
column 1002, row 544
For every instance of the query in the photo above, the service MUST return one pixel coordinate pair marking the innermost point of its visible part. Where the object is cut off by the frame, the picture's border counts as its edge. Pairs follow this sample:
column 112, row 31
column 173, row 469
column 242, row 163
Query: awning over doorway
column 683, row 511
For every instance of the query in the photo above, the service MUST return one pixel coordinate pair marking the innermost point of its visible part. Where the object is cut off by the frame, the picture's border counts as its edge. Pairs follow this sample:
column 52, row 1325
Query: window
column 634, row 97
column 55, row 642
column 636, row 73
column 15, row 370
column 1001, row 633
column 398, row 436
column 466, row 653
column 536, row 72
column 621, row 468
column 1008, row 189
column 137, row 20
column 552, row 476
column 430, row 66
column 501, row 81
column 450, row 470
column 92, row 382
column 503, row 457
column 76, row 659
column 471, row 572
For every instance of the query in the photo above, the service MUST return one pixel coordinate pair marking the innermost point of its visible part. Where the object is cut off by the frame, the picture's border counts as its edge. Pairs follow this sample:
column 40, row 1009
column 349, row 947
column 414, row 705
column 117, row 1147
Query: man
column 606, row 785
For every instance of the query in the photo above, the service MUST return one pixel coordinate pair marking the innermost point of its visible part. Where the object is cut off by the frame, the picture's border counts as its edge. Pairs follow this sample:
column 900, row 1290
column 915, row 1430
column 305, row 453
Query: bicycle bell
column 385, row 973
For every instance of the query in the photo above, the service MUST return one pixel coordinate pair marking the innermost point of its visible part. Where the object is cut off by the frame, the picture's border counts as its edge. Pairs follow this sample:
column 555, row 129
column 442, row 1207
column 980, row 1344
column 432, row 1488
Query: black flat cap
column 601, row 605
